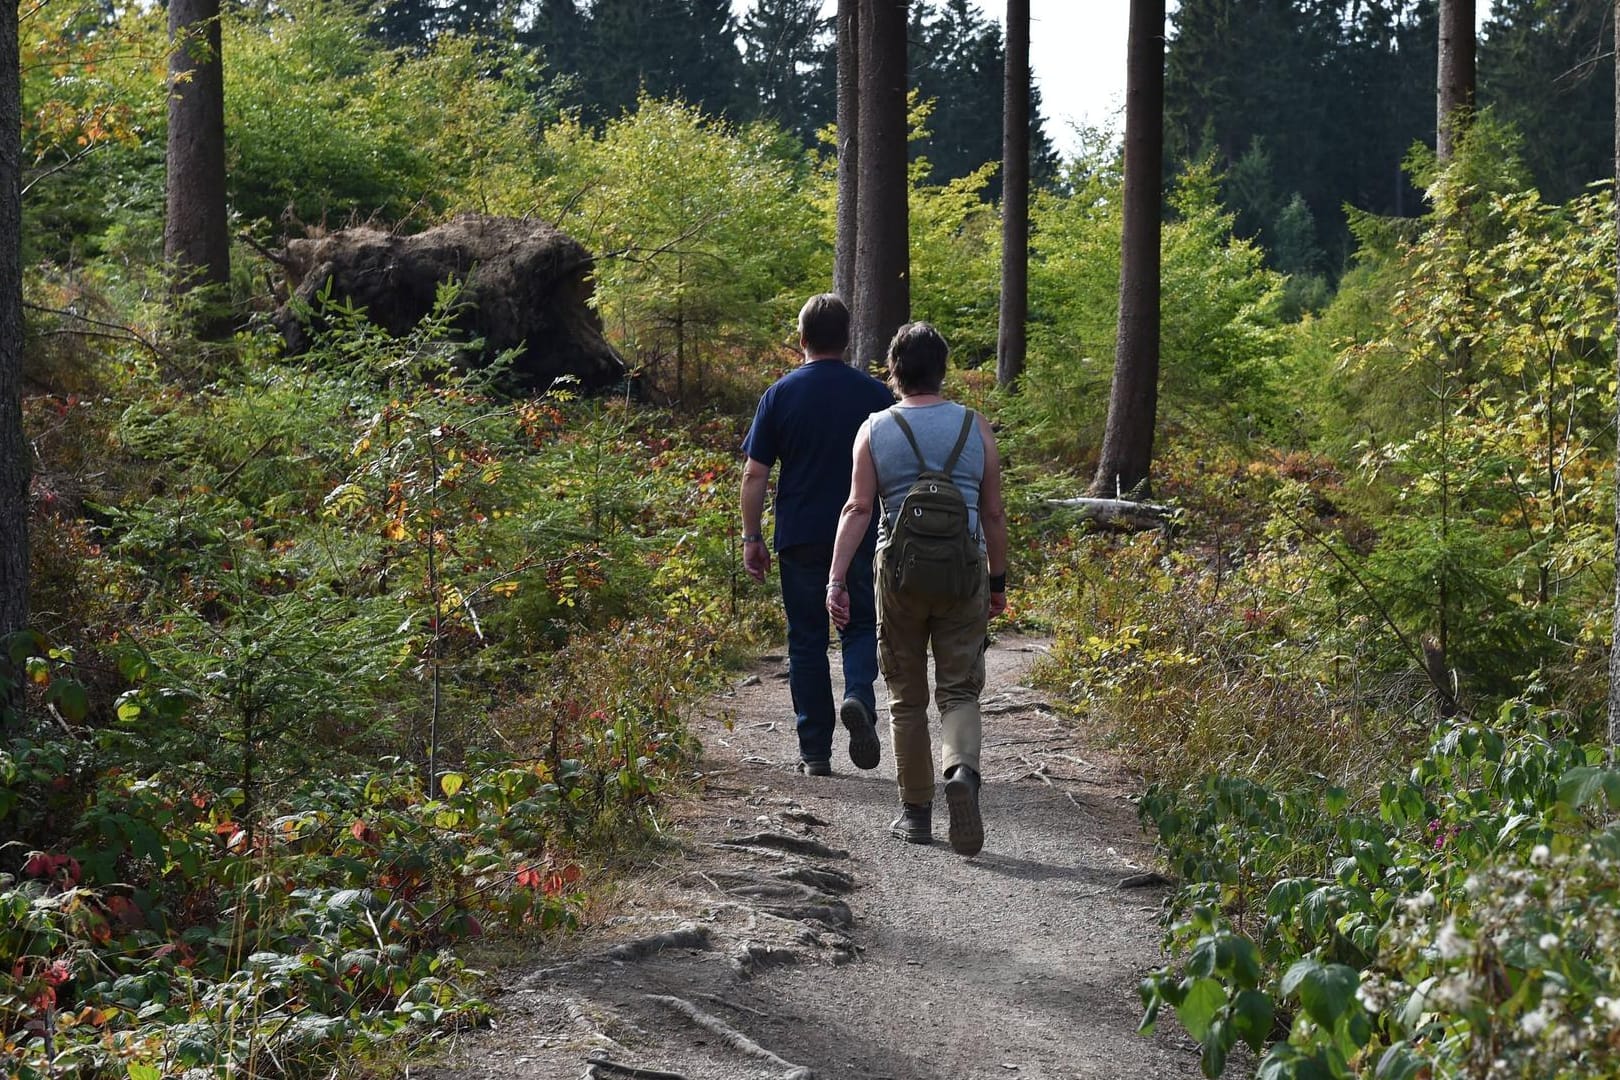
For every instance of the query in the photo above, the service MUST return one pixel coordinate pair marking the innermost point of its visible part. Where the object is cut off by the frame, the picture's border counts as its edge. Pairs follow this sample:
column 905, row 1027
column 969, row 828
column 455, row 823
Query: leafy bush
column 1219, row 338
column 1453, row 927
column 702, row 233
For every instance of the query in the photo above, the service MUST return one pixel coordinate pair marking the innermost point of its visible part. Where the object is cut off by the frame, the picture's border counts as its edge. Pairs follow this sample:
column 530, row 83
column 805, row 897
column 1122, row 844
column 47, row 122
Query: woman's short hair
column 917, row 359
column 824, row 324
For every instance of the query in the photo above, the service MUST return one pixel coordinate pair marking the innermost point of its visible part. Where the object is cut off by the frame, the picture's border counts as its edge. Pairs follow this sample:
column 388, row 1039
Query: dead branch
column 1127, row 513
column 116, row 331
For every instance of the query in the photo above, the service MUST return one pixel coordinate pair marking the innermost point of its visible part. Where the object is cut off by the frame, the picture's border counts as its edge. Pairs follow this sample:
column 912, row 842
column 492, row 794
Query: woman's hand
column 838, row 603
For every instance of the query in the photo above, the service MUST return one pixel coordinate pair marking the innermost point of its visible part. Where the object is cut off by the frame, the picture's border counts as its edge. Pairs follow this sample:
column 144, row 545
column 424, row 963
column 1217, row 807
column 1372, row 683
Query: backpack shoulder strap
column 905, row 429
column 969, row 418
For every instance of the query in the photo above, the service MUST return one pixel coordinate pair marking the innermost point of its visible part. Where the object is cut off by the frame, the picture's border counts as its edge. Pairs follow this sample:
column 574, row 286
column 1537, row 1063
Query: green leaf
column 69, row 698
column 450, row 783
column 1196, row 1011
column 1296, row 974
column 1400, row 1063
column 1285, row 895
column 1252, row 1016
column 1327, row 993
column 1580, row 785
column 1213, row 1058
column 1237, row 956
column 138, row 1071
column 127, row 707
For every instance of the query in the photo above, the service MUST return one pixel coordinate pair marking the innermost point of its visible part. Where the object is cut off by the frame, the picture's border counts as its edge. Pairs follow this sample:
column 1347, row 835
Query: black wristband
column 998, row 582
column 753, row 538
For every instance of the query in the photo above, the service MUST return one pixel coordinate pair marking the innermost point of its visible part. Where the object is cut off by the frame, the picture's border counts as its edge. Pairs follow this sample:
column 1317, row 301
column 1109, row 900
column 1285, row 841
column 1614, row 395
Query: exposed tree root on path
column 731, row 1036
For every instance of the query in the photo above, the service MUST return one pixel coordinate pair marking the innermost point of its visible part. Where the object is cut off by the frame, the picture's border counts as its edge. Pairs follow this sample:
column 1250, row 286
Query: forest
column 337, row 663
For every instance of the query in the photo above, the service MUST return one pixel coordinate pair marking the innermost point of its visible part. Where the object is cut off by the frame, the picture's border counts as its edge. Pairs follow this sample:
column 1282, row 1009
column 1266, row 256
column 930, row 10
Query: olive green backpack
column 931, row 551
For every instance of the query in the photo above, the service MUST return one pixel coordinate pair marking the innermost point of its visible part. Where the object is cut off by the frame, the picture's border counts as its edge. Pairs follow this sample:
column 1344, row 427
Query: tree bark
column 1454, row 82
column 1010, row 336
column 1127, row 450
column 196, row 243
column 1614, row 653
column 882, row 253
column 14, row 462
column 848, row 159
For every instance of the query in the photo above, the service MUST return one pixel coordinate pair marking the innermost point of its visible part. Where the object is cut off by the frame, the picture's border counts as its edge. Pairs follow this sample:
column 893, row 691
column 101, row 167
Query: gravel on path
column 789, row 936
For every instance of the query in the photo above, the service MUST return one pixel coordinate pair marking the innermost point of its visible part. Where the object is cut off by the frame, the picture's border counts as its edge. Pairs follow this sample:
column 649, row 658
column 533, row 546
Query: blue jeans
column 804, row 569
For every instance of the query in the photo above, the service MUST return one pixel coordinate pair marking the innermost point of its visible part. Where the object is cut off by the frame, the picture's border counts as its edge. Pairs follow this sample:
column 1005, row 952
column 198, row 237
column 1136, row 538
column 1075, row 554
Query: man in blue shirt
column 807, row 420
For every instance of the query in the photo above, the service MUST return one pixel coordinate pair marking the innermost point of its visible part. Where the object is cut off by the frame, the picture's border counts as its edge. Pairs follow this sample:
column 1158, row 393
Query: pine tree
column 1548, row 68
column 1322, row 99
column 196, row 241
column 1127, row 450
column 417, row 22
column 1455, row 79
column 784, row 48
column 958, row 60
column 711, row 75
column 1014, row 309
column 882, row 237
column 849, row 171
column 14, row 458
column 684, row 49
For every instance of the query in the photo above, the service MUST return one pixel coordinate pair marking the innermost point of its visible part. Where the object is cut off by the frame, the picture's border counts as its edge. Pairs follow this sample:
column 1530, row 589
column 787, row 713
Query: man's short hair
column 824, row 324
column 917, row 359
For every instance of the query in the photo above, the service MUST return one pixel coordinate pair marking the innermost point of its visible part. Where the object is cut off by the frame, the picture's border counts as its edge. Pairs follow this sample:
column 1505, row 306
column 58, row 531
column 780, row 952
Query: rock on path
column 790, row 937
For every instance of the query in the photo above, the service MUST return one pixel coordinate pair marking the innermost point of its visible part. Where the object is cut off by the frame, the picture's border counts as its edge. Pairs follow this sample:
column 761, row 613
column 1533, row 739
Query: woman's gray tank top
column 936, row 428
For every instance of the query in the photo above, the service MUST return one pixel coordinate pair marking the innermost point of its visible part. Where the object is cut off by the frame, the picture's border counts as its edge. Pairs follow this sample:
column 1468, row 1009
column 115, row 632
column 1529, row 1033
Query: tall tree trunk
column 14, row 464
column 195, row 239
column 849, row 143
column 882, row 253
column 1454, row 82
column 1010, row 340
column 1127, row 450
column 1614, row 653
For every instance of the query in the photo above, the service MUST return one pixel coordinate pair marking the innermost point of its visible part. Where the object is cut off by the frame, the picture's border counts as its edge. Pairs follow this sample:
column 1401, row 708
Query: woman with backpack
column 941, row 575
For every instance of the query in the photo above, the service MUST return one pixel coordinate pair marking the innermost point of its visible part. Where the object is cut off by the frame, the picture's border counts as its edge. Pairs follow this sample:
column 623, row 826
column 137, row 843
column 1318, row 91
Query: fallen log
column 1126, row 513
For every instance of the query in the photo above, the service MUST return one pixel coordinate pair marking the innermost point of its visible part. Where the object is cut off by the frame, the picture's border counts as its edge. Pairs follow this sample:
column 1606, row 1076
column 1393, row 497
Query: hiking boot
column 816, row 768
column 865, row 750
column 915, row 824
column 962, row 801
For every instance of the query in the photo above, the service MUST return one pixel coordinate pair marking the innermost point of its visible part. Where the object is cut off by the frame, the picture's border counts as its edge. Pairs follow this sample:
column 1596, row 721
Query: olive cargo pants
column 907, row 627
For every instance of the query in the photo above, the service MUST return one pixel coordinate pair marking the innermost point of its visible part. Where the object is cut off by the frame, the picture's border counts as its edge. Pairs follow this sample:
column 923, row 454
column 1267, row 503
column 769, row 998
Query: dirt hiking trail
column 788, row 936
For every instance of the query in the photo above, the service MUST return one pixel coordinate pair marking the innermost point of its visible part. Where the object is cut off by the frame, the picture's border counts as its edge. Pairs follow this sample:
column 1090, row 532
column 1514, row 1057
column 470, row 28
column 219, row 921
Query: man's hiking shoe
column 962, row 800
column 915, row 825
column 816, row 768
column 865, row 750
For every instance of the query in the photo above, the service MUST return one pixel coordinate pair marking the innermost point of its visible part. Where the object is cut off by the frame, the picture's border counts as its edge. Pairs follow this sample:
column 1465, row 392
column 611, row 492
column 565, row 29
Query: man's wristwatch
column 753, row 538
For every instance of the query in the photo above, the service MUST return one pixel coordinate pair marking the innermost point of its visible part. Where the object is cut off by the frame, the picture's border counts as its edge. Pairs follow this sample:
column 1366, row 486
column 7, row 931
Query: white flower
column 1535, row 1022
column 1547, row 942
column 1452, row 945
column 1371, row 995
column 1611, row 1008
column 1453, row 993
column 1540, row 855
column 1422, row 902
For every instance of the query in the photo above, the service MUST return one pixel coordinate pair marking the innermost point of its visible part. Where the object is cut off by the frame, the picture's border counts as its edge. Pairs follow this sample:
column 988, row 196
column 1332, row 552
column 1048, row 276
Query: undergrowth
column 342, row 661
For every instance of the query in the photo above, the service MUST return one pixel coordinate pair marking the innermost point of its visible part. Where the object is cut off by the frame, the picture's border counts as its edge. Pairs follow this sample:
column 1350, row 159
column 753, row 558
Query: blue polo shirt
column 808, row 420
